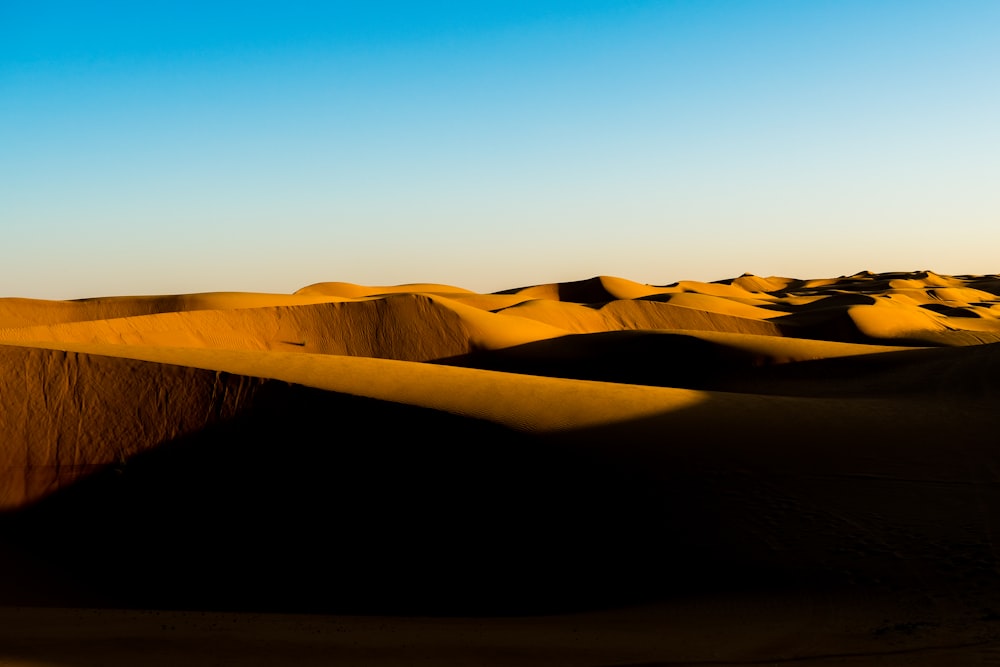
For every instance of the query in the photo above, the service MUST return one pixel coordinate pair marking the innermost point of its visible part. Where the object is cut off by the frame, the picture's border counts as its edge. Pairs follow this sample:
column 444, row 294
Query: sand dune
column 404, row 326
column 602, row 452
column 15, row 312
column 352, row 291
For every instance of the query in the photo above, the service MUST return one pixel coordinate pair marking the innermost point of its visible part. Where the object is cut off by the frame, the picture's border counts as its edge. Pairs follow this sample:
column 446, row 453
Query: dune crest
column 353, row 291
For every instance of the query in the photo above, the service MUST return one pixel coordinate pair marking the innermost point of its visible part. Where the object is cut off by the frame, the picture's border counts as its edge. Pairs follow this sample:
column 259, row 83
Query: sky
column 163, row 147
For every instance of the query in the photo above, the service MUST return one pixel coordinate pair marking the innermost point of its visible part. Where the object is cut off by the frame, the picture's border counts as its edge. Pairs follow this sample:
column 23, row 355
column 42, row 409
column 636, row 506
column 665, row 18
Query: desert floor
column 751, row 471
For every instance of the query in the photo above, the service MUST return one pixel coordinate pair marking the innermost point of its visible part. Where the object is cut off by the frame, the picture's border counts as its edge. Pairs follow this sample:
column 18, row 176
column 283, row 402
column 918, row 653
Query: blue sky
column 163, row 147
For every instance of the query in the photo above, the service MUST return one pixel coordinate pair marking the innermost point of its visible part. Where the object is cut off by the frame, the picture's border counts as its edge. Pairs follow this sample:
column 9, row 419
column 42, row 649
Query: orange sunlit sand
column 753, row 469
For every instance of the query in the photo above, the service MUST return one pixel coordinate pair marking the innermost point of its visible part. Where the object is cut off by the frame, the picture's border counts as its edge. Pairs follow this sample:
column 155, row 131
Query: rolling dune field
column 759, row 470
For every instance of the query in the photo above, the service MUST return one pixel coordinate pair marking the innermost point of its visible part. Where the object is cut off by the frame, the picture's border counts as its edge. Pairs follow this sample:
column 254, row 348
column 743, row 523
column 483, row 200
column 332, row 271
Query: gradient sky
column 165, row 147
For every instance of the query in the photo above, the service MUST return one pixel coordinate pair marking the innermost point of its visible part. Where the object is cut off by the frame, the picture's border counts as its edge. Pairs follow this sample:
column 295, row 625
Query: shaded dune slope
column 279, row 501
column 65, row 415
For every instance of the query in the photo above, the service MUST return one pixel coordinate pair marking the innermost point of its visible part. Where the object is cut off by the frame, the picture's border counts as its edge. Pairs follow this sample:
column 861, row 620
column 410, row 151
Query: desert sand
column 760, row 470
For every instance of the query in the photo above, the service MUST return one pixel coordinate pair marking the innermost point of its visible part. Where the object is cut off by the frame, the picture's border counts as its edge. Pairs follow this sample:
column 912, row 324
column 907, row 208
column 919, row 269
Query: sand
column 762, row 470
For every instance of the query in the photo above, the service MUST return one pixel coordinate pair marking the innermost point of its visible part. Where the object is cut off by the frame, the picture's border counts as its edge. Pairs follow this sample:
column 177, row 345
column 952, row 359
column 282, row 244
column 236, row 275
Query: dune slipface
column 821, row 455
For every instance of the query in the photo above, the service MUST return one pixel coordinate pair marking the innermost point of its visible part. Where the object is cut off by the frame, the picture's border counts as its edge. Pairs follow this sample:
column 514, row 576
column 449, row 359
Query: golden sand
column 597, row 472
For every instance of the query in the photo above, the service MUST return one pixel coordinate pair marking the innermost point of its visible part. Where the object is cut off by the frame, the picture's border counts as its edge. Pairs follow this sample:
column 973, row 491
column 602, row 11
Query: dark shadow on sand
column 313, row 501
column 321, row 502
column 665, row 359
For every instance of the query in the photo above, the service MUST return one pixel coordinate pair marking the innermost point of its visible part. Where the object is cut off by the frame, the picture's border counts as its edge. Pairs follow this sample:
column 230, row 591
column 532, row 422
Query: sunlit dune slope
column 352, row 291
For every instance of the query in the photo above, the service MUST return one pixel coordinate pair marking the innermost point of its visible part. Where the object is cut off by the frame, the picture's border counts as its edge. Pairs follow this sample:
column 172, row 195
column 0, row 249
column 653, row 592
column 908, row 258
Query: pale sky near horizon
column 170, row 146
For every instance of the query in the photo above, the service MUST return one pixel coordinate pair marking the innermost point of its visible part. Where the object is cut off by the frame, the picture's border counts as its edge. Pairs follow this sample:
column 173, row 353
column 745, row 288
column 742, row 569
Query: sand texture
column 760, row 470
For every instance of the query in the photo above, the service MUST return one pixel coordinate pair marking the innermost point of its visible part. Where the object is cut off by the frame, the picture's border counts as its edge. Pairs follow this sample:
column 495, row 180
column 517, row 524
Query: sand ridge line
column 525, row 402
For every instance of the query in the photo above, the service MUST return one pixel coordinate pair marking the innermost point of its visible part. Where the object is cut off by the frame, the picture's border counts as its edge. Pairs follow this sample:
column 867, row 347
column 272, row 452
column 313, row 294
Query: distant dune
column 820, row 455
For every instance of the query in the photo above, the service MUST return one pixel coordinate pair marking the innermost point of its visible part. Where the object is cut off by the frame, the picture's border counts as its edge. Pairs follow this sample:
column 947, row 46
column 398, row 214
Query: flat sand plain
column 602, row 472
